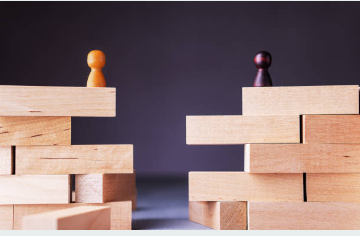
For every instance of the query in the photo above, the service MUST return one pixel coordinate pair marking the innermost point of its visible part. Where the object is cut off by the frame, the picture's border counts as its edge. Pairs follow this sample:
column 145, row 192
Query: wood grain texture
column 241, row 186
column 302, row 158
column 35, row 131
column 267, row 101
column 333, row 187
column 303, row 216
column 6, row 217
column 57, row 101
column 76, row 218
column 212, row 130
column 34, row 189
column 100, row 188
column 219, row 215
column 120, row 212
column 74, row 159
column 6, row 160
column 331, row 128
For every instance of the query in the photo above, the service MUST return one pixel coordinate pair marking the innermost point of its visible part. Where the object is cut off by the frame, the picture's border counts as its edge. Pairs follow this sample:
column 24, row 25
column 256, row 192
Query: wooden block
column 6, row 160
column 303, row 216
column 100, row 188
column 76, row 218
column 57, row 101
column 333, row 187
column 34, row 189
column 331, row 128
column 74, row 159
column 267, row 101
column 241, row 186
column 302, row 158
column 219, row 215
column 35, row 130
column 120, row 212
column 6, row 217
column 212, row 130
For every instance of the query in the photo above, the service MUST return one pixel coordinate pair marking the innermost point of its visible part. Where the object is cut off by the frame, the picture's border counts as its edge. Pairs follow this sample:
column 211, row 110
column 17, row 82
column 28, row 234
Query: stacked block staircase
column 37, row 162
column 301, row 161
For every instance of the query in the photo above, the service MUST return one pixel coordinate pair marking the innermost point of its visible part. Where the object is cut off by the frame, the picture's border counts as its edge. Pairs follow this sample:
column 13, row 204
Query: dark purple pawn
column 262, row 62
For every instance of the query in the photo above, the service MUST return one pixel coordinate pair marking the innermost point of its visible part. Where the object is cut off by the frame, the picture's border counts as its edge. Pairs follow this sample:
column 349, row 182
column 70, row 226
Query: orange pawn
column 96, row 61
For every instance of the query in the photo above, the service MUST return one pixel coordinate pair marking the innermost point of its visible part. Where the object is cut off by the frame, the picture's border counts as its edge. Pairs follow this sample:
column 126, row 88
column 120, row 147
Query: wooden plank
column 74, row 159
column 333, row 187
column 212, row 130
column 6, row 160
column 331, row 128
column 241, row 186
column 6, row 217
column 267, row 101
column 57, row 101
column 303, row 158
column 34, row 189
column 120, row 212
column 100, row 188
column 76, row 218
column 219, row 215
column 303, row 216
column 35, row 130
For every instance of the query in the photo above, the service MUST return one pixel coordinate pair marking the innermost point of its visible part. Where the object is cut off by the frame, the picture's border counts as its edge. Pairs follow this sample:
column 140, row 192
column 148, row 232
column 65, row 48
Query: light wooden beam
column 303, row 216
column 34, row 189
column 6, row 160
column 35, row 131
column 100, row 188
column 333, row 187
column 57, row 101
column 76, row 218
column 267, row 101
column 240, row 186
column 74, row 159
column 120, row 212
column 212, row 130
column 6, row 217
column 331, row 128
column 302, row 158
column 219, row 215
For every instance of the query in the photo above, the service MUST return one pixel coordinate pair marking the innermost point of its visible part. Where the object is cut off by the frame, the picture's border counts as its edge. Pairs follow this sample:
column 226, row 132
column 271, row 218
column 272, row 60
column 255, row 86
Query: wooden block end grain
column 6, row 160
column 219, row 215
column 100, row 188
column 298, row 100
column 228, row 130
column 76, row 218
column 241, row 186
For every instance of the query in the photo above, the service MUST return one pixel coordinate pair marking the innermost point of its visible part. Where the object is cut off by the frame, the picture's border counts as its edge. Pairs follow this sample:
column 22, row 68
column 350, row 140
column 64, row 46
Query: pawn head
column 96, row 59
column 262, row 60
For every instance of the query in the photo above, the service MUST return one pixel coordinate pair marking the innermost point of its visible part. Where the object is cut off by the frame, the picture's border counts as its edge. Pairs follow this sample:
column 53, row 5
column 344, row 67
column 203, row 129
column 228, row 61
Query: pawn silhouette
column 262, row 62
column 96, row 61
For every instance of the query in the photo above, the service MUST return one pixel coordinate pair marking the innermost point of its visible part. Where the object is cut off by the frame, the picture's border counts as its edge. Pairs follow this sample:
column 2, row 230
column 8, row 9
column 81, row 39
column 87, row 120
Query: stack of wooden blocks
column 302, row 161
column 37, row 162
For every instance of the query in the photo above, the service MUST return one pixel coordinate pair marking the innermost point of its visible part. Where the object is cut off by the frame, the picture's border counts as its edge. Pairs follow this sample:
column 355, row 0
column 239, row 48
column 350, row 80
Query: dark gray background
column 172, row 59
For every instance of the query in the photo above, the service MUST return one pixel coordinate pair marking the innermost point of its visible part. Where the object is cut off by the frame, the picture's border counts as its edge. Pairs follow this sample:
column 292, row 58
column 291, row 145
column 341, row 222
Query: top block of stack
column 270, row 101
column 57, row 101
